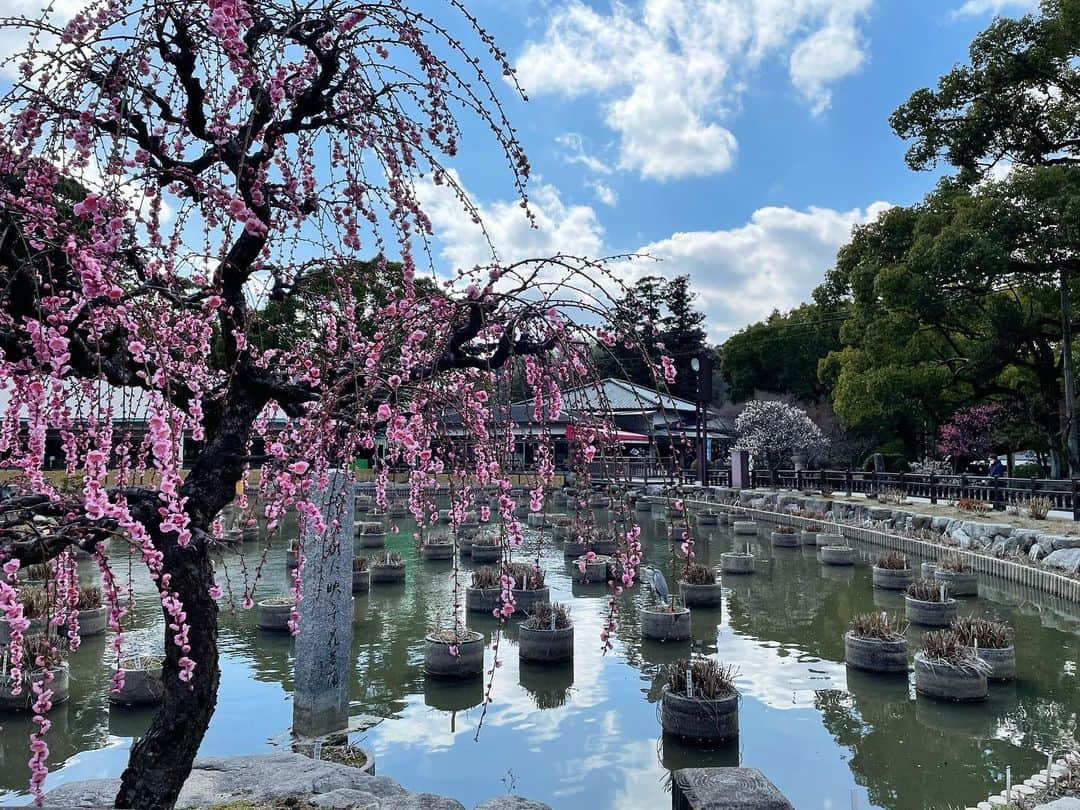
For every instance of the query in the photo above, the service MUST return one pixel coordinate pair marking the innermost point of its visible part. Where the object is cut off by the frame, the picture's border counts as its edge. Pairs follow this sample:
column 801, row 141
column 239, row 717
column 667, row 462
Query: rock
column 878, row 513
column 725, row 789
column 423, row 801
column 922, row 521
column 511, row 803
column 343, row 798
column 1066, row 542
column 1067, row 559
column 85, row 793
column 940, row 523
column 1060, row 804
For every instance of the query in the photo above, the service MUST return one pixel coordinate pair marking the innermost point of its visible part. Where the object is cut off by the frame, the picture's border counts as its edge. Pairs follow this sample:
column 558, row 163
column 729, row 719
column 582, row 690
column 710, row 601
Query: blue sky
column 739, row 140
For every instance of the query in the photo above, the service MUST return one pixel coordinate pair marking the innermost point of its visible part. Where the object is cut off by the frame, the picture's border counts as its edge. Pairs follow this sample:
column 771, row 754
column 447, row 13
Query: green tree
column 683, row 334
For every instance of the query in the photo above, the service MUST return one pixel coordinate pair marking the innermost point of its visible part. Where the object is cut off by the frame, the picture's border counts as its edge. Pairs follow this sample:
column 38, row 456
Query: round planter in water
column 537, row 520
column 469, row 529
column 361, row 581
column 927, row 569
column 93, row 622
column 292, row 559
column 643, row 505
column 384, row 573
column 824, row 539
column 464, row 546
column 784, row 539
column 274, row 615
column 142, row 684
column 703, row 596
column 662, row 624
column 808, row 538
column 708, row 519
column 437, row 551
column 560, row 531
column 838, row 555
column 545, row 646
column 372, row 539
column 596, row 570
column 439, row 662
column 961, row 583
column 875, row 654
column 893, row 579
column 605, row 547
column 250, row 534
column 24, row 701
column 931, row 614
column 737, row 562
column 744, row 527
column 699, row 719
column 1002, row 661
column 573, row 549
column 526, row 600
column 486, row 554
column 946, row 681
column 599, row 502
column 483, row 600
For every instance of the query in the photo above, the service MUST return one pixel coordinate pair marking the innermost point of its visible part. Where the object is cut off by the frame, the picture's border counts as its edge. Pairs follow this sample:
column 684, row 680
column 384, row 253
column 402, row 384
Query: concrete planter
column 250, row 534
column 468, row 663
column 372, row 539
column 825, row 539
column 1002, row 661
column 485, row 554
column 274, row 616
column 931, row 614
column 464, row 546
column 605, row 547
column 595, row 570
column 469, row 529
column 36, row 626
column 875, row 654
column 708, row 519
column 573, row 549
column 893, row 579
column 545, row 646
column 526, row 600
column 643, row 505
column 784, row 539
column 838, row 555
column 560, row 532
column 387, row 573
column 93, row 622
column 927, row 569
column 599, row 502
column 737, row 562
column 437, row 551
column 142, row 686
column 961, row 583
column 537, row 520
column 361, row 581
column 661, row 624
column 808, row 538
column 723, row 519
column 945, row 681
column 699, row 719
column 703, row 596
column 292, row 559
column 744, row 527
column 24, row 701
column 483, row 600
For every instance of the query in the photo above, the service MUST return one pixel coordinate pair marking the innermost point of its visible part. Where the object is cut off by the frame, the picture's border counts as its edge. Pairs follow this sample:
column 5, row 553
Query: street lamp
column 702, row 366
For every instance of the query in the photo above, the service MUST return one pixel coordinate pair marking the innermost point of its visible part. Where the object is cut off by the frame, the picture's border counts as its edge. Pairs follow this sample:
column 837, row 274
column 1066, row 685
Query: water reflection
column 818, row 730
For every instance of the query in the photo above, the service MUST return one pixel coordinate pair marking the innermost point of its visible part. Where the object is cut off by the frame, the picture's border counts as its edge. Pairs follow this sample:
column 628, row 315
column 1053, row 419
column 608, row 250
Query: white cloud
column 14, row 40
column 670, row 75
column 741, row 274
column 575, row 153
column 604, row 193
column 972, row 8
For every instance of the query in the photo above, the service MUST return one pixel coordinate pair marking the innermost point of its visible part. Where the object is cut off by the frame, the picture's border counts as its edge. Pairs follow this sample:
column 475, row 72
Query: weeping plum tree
column 772, row 432
column 170, row 171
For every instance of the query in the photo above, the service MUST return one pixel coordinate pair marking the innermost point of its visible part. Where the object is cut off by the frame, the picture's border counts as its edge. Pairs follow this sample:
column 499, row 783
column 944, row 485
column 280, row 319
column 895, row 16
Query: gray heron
column 659, row 584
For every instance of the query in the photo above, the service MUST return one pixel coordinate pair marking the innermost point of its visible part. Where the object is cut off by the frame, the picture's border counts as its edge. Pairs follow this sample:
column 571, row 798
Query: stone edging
column 1031, row 786
column 1041, row 579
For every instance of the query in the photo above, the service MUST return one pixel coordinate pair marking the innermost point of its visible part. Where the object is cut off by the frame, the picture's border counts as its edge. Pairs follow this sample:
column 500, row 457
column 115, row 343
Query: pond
column 588, row 736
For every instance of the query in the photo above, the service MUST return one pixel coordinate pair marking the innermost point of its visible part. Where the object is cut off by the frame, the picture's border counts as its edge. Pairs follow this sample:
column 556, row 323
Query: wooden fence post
column 933, row 487
column 1076, row 498
column 847, row 481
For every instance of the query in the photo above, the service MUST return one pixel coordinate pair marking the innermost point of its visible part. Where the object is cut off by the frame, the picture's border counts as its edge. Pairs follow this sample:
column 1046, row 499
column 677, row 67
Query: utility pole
column 1071, row 448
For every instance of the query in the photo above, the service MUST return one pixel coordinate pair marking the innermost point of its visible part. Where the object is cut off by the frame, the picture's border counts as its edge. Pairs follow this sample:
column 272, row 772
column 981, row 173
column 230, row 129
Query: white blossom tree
column 772, row 432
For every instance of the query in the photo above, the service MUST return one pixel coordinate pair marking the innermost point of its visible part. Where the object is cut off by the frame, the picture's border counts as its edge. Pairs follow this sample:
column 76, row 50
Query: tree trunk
column 1073, row 454
column 161, row 760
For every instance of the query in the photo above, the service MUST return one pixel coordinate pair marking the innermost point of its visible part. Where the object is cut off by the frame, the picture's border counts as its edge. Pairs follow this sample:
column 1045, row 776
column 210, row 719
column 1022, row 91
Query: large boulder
column 1066, row 559
column 511, row 803
column 1062, row 541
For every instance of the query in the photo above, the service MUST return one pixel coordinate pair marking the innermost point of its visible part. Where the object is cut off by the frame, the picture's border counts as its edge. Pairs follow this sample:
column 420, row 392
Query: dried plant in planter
column 388, row 558
column 1038, row 507
column 973, row 505
column 786, row 530
column 279, row 601
column 953, row 563
column 946, row 646
column 814, row 528
column 880, row 626
column 487, row 576
column 488, row 538
column 827, row 491
column 527, row 577
column 89, row 597
column 695, row 574
column 893, row 560
column 541, row 617
column 36, row 573
column 35, row 602
column 370, row 527
column 892, row 495
column 359, row 564
column 989, row 634
column 928, row 591
column 39, row 652
column 711, row 679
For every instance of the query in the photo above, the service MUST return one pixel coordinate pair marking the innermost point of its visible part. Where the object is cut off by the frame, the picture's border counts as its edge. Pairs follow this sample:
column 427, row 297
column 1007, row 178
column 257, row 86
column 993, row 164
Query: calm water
column 588, row 736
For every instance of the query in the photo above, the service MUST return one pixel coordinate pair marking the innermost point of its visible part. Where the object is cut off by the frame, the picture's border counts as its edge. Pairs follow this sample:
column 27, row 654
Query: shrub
column 814, row 528
column 696, row 574
column 540, row 618
column 893, row 560
column 973, row 505
column 945, row 645
column 989, row 634
column 89, row 597
column 1038, row 507
column 711, row 679
column 953, row 563
column 892, row 495
column 878, row 626
column 391, row 558
column 487, row 576
column 928, row 591
column 359, row 564
column 1028, row 471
